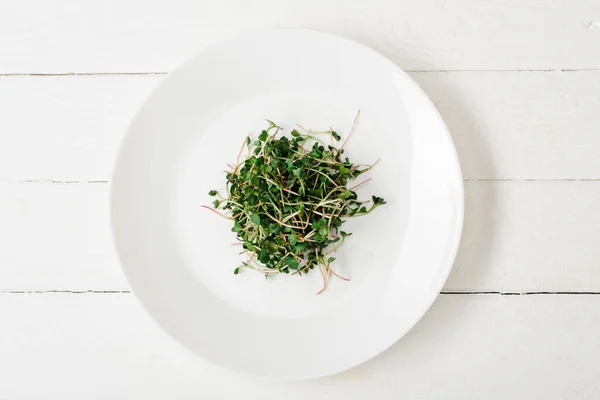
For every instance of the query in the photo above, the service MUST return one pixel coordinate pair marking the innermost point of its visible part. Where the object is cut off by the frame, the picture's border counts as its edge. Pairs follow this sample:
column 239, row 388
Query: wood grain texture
column 57, row 236
column 518, row 237
column 66, row 128
column 38, row 36
column 521, row 125
column 529, row 236
column 466, row 347
column 506, row 125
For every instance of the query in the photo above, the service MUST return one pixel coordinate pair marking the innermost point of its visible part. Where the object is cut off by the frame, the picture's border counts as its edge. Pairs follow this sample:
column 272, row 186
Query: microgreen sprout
column 288, row 199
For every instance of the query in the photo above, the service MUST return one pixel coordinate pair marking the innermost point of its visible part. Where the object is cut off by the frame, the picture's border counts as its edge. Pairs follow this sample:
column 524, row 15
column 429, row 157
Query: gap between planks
column 67, row 74
column 446, row 293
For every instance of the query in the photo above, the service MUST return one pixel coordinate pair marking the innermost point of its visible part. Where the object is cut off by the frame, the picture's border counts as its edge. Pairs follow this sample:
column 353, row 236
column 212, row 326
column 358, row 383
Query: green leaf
column 345, row 194
column 270, row 245
column 292, row 239
column 263, row 136
column 291, row 262
column 330, row 260
column 323, row 231
column 320, row 223
column 236, row 227
column 335, row 135
column 212, row 193
column 378, row 200
column 295, row 133
column 264, row 256
column 255, row 218
column 271, row 125
column 236, row 271
column 300, row 246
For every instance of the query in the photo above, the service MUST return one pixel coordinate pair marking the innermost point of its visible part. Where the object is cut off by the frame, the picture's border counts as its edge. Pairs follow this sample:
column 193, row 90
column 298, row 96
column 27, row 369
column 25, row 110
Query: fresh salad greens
column 288, row 199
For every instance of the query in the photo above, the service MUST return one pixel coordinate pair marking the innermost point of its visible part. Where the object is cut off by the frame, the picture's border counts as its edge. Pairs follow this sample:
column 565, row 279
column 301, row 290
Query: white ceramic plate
column 179, row 259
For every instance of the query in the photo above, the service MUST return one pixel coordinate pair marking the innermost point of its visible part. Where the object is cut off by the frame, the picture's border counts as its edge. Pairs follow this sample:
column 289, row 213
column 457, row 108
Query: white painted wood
column 66, row 128
column 56, row 236
column 519, row 236
column 73, row 346
column 508, row 125
column 521, row 125
column 38, row 36
column 529, row 236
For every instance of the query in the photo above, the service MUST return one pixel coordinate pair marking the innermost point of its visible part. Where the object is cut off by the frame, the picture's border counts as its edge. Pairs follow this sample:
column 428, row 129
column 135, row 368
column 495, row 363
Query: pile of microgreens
column 288, row 200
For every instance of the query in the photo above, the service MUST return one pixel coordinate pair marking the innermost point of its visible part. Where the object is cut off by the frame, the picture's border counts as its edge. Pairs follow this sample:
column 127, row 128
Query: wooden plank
column 521, row 125
column 38, row 36
column 507, row 125
column 518, row 237
column 60, row 128
column 467, row 347
column 529, row 236
column 57, row 236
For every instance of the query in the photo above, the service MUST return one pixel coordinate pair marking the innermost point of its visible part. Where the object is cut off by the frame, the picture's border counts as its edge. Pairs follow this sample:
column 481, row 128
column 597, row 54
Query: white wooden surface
column 497, row 130
column 103, row 346
column 518, row 83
